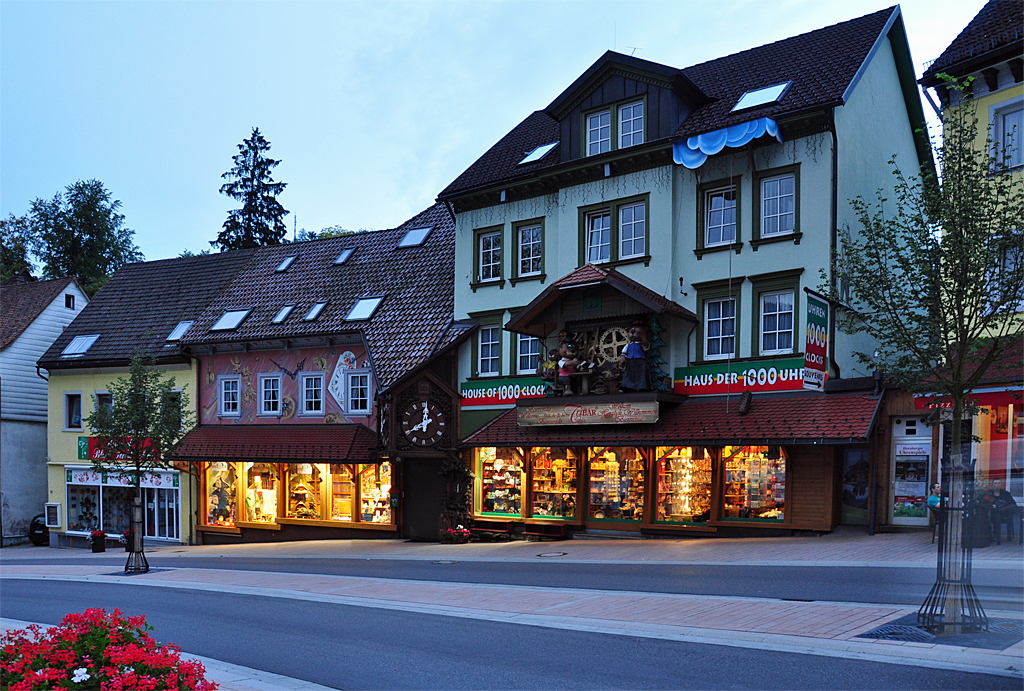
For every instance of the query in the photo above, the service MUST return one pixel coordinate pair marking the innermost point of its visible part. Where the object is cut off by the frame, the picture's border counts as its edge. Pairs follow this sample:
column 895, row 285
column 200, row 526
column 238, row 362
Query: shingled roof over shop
column 776, row 419
column 141, row 304
column 24, row 300
column 823, row 66
column 415, row 284
column 320, row 443
column 997, row 30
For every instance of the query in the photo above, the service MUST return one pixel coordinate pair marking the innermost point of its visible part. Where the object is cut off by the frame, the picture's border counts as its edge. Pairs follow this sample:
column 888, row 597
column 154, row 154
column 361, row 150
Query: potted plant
column 98, row 540
column 457, row 535
column 126, row 538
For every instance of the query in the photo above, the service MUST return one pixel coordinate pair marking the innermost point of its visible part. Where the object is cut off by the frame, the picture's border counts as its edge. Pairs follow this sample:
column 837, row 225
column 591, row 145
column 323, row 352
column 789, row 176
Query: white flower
column 461, row 528
column 81, row 674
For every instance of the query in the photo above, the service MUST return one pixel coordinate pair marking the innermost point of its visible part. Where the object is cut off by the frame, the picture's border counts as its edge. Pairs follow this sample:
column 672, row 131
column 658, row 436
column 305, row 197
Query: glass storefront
column 754, row 483
column 220, row 493
column 260, row 492
column 105, row 501
column 555, row 476
column 343, row 492
column 501, row 474
column 684, row 484
column 305, row 487
column 374, row 493
column 617, row 483
column 83, row 508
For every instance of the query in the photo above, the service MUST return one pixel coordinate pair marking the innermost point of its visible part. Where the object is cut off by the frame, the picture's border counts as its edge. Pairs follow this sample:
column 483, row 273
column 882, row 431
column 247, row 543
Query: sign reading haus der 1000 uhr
column 782, row 374
column 589, row 414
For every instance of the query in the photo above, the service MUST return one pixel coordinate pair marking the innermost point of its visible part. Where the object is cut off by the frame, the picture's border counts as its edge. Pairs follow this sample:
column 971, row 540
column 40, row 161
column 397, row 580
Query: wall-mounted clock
column 423, row 423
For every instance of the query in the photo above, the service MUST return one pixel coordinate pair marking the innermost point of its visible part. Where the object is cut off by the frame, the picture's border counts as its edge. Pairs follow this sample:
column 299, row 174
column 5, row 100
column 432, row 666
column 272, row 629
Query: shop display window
column 617, row 483
column 500, row 476
column 305, row 487
column 220, row 494
column 374, row 493
column 83, row 507
column 261, row 484
column 555, row 475
column 343, row 492
column 117, row 509
column 754, row 484
column 1000, row 452
column 684, row 484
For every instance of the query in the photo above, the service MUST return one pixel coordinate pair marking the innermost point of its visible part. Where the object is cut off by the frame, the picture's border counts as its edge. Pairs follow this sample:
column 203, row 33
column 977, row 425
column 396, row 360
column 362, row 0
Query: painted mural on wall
column 291, row 366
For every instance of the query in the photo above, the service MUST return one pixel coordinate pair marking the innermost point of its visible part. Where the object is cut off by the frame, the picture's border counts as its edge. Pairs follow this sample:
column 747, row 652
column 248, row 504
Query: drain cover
column 553, row 554
column 899, row 632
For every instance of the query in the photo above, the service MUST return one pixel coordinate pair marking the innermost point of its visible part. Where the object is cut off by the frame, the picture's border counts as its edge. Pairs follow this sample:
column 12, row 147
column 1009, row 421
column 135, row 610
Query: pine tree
column 259, row 223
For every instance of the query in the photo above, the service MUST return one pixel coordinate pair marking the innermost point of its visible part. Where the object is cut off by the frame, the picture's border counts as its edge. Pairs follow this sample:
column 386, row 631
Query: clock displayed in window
column 423, row 423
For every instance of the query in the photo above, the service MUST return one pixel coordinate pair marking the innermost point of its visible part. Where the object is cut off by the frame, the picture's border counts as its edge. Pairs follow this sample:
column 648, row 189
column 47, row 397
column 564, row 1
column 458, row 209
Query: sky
column 372, row 107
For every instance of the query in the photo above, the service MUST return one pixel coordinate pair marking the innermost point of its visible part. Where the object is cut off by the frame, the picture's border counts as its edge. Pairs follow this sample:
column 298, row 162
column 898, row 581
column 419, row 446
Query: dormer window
column 631, row 124
column 364, row 308
column 615, row 127
column 761, row 97
column 230, row 320
column 79, row 345
column 415, row 237
column 285, row 263
column 179, row 331
column 315, row 311
column 599, row 132
column 343, row 257
column 282, row 314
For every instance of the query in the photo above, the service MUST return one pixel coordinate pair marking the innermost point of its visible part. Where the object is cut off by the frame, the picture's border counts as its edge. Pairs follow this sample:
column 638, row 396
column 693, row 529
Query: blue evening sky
column 372, row 108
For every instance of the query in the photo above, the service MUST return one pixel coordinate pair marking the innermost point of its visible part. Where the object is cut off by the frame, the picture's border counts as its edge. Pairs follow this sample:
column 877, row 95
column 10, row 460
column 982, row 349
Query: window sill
column 701, row 251
column 748, row 361
column 645, row 259
column 484, row 284
column 358, row 413
column 268, row 415
column 257, row 525
column 73, row 429
column 787, row 237
column 524, row 279
column 321, row 523
column 311, row 416
column 234, row 530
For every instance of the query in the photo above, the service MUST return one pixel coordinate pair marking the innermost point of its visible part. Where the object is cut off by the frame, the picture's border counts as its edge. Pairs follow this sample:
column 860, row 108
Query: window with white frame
column 73, row 410
column 719, row 328
column 312, row 393
column 490, row 351
column 1009, row 126
column 631, row 124
column 599, row 237
column 720, row 216
column 778, row 205
column 599, row 132
column 777, row 322
column 357, row 387
column 490, row 256
column 230, row 395
column 528, row 354
column 270, row 394
column 530, row 247
column 632, row 230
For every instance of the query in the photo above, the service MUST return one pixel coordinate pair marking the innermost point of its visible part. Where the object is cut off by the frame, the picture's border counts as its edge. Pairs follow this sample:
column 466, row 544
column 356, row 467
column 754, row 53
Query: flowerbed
column 95, row 650
column 456, row 535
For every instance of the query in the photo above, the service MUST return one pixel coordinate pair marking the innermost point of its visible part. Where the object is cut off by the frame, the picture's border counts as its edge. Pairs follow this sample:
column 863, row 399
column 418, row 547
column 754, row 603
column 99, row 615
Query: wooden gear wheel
column 610, row 344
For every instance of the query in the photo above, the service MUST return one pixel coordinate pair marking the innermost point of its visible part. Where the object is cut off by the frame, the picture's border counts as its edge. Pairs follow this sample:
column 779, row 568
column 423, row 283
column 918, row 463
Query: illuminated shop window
column 220, row 494
column 305, row 485
column 83, row 508
column 555, row 478
column 617, row 483
column 754, row 485
column 261, row 492
column 343, row 492
column 684, row 484
column 500, row 473
column 374, row 493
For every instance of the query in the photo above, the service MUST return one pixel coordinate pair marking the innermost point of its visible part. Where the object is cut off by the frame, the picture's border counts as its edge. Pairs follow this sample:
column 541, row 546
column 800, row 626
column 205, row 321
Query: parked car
column 38, row 533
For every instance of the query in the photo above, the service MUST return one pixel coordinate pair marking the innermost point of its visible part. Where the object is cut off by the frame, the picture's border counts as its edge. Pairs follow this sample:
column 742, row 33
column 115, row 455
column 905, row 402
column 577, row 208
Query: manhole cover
column 445, row 561
column 553, row 554
column 899, row 632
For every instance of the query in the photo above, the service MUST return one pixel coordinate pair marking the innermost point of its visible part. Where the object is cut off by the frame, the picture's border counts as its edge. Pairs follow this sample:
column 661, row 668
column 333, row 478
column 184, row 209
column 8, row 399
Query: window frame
column 517, row 229
column 760, row 310
column 349, row 408
column 775, row 282
column 604, row 110
column 718, row 290
column 301, row 403
column 643, row 122
column 997, row 116
column 735, row 331
column 261, row 408
column 484, row 320
column 703, row 190
column 757, row 212
column 67, row 427
column 614, row 121
column 517, row 353
column 69, row 301
column 478, row 234
column 614, row 209
column 221, row 411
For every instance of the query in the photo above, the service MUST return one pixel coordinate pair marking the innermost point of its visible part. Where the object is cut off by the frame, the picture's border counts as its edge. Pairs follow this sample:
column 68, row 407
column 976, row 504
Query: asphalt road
column 360, row 648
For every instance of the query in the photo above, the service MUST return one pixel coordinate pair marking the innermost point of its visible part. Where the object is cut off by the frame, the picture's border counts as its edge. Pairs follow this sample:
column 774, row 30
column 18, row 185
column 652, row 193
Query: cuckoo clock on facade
column 423, row 423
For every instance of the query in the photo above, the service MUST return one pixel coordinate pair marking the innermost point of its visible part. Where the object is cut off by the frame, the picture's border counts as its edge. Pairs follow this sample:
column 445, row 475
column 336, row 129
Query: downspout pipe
column 833, row 243
column 40, row 374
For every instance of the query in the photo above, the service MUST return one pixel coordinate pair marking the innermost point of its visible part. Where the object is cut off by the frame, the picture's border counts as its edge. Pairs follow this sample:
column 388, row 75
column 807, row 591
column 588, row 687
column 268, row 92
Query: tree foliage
column 80, row 233
column 259, row 223
column 15, row 235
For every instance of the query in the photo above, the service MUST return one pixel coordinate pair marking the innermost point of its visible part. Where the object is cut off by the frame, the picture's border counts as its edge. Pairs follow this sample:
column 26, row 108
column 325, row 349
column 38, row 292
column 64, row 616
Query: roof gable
column 23, row 301
column 997, row 31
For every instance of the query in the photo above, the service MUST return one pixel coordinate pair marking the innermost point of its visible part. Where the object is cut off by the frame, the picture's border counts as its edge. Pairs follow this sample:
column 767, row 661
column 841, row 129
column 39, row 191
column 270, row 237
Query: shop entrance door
column 911, row 471
column 161, row 509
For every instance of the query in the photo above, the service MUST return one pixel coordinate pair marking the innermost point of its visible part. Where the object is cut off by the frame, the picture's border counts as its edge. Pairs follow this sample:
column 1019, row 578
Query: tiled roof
column 801, row 418
column 142, row 303
column 417, row 284
column 21, row 302
column 454, row 333
column 999, row 24
column 317, row 443
column 588, row 273
column 822, row 64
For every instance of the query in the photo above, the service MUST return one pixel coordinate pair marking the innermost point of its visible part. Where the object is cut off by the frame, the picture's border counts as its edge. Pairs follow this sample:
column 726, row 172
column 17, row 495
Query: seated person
column 935, row 498
column 1004, row 509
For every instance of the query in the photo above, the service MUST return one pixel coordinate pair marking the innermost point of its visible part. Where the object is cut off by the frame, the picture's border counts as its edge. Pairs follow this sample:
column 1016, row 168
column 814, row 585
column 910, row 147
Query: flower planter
column 99, row 545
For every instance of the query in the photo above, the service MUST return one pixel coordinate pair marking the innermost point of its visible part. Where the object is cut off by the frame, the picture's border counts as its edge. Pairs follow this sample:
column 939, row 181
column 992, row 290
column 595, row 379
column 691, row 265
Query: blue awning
column 694, row 151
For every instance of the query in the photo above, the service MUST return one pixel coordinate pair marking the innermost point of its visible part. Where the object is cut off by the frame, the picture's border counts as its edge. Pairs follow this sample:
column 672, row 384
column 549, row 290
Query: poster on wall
column 816, row 346
column 910, row 490
column 856, row 476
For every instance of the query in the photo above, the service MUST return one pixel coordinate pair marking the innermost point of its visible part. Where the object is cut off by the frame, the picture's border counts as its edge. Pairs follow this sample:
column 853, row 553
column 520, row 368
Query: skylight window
column 364, row 308
column 415, row 237
column 315, row 311
column 343, row 257
column 179, row 331
column 283, row 313
column 285, row 263
column 760, row 97
column 230, row 320
column 538, row 153
column 79, row 345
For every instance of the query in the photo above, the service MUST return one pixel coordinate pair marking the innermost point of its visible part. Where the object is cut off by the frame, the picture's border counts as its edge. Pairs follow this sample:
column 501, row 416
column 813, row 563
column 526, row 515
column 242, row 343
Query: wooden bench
column 491, row 527
column 554, row 531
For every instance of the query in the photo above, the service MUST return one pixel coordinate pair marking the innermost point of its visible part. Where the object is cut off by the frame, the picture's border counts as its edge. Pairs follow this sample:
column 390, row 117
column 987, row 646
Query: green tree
column 80, row 233
column 937, row 281
column 259, row 223
column 15, row 234
column 138, row 433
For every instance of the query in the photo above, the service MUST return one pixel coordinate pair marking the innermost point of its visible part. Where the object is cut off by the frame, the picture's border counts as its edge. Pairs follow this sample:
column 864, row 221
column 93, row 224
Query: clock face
column 423, row 423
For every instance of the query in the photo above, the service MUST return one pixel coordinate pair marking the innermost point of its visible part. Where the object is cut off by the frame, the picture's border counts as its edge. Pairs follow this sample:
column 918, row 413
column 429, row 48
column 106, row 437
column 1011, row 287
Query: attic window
column 79, row 345
column 343, row 257
column 179, row 331
column 760, row 97
column 69, row 301
column 285, row 263
column 230, row 320
column 538, row 153
column 283, row 314
column 415, row 237
column 315, row 311
column 364, row 308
